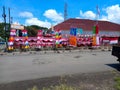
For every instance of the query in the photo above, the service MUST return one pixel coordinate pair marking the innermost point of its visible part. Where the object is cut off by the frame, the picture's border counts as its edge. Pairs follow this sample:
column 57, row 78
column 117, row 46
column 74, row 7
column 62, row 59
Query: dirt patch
column 84, row 81
column 77, row 56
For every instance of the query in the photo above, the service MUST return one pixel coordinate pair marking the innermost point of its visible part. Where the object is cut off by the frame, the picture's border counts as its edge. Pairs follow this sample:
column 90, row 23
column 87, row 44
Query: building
column 85, row 27
column 18, row 28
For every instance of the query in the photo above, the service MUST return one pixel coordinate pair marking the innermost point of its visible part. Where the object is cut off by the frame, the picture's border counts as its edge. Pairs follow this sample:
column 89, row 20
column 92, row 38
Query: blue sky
column 47, row 12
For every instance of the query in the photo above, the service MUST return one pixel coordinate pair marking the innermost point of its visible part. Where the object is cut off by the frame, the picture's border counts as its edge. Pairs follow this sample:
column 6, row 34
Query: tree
column 33, row 29
column 2, row 31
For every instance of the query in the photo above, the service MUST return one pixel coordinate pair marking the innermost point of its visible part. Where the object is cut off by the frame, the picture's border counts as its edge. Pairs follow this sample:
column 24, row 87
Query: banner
column 73, row 31
column 79, row 31
column 73, row 41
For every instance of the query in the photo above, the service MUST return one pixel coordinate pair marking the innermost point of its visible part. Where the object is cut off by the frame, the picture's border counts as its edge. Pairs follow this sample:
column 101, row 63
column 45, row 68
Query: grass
column 62, row 86
column 117, row 85
column 57, row 87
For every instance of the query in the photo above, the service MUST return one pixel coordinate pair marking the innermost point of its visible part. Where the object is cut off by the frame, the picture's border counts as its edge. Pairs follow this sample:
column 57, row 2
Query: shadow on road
column 115, row 66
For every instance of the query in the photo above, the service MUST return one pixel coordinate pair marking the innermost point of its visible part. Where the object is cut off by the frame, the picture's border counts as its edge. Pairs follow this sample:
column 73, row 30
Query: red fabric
column 97, row 29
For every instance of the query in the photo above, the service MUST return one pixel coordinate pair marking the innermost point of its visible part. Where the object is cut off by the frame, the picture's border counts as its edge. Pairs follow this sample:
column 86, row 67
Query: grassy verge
column 58, row 87
column 117, row 85
column 61, row 86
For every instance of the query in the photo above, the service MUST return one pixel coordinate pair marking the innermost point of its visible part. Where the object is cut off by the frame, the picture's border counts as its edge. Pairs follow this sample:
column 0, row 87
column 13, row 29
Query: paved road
column 31, row 66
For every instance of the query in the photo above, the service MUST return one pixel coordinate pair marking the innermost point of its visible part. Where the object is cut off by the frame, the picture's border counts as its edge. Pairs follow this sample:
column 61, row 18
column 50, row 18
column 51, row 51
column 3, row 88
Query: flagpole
column 97, row 14
column 97, row 27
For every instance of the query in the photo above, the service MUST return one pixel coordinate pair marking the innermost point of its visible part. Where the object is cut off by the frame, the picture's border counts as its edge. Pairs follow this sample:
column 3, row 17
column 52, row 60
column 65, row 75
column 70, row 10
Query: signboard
column 17, row 26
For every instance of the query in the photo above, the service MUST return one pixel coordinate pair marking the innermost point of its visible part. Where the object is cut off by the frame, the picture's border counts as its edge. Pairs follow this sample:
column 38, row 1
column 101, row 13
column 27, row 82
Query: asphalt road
column 27, row 66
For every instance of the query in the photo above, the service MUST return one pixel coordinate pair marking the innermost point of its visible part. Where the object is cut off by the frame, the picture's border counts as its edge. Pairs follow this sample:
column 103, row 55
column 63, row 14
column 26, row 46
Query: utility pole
column 9, row 18
column 4, row 16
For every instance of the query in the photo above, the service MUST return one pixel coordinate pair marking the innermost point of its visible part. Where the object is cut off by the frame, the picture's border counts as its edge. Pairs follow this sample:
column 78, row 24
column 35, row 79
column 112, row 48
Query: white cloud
column 77, row 17
column 16, row 23
column 53, row 15
column 87, row 15
column 104, row 18
column 26, row 14
column 36, row 21
column 31, row 20
column 113, row 13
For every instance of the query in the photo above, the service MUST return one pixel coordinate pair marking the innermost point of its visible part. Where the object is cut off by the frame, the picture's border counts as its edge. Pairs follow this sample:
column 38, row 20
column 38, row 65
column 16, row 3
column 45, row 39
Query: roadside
column 62, row 50
column 84, row 69
column 85, row 81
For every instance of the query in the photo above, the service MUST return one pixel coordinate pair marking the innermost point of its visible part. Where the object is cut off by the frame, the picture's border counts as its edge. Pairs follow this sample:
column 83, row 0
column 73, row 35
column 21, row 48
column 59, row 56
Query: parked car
column 116, row 50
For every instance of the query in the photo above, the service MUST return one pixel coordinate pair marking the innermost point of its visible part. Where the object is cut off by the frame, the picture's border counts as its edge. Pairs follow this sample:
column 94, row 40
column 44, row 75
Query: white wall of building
column 90, row 32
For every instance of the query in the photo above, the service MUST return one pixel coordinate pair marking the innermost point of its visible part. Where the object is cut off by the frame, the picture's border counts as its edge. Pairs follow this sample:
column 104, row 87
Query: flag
column 97, row 29
column 94, row 29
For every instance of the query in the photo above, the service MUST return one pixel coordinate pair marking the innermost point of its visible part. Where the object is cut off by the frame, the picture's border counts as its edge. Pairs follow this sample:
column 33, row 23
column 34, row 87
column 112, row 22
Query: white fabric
column 97, row 40
column 113, row 41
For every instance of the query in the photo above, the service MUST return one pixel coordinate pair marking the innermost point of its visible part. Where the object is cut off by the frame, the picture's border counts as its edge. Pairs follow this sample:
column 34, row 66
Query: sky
column 46, row 13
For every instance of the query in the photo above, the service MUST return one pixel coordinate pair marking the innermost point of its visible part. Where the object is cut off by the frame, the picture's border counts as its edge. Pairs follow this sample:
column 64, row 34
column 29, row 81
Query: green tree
column 33, row 29
column 2, row 32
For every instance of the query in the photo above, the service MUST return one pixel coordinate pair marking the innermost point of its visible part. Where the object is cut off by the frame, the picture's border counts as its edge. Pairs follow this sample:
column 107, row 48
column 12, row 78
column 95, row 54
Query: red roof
column 87, row 24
